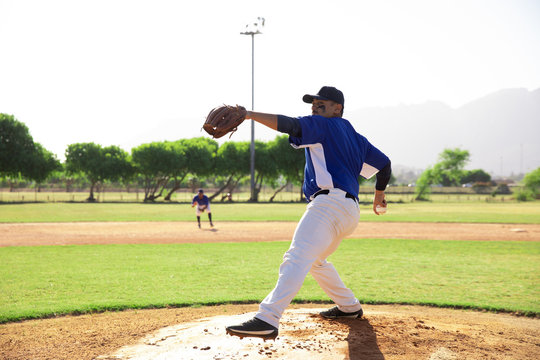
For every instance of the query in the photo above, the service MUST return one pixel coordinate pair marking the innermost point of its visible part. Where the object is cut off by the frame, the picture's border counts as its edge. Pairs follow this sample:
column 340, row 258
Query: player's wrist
column 379, row 198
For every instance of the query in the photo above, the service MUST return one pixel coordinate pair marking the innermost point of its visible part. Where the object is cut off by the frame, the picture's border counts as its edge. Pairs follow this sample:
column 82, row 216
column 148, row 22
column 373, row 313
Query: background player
column 335, row 156
column 203, row 203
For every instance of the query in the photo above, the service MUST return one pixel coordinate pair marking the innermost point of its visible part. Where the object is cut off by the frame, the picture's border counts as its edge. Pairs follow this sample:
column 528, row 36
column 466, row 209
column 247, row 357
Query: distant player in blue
column 336, row 155
column 203, row 203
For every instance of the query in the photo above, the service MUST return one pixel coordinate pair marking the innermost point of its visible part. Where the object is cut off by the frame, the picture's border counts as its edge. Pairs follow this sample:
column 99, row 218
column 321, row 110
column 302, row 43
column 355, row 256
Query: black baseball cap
column 201, row 190
column 326, row 93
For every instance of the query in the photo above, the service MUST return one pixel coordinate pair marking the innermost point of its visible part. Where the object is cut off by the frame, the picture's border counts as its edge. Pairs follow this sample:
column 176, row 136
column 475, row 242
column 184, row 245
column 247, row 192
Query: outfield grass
column 50, row 280
column 47, row 280
column 524, row 213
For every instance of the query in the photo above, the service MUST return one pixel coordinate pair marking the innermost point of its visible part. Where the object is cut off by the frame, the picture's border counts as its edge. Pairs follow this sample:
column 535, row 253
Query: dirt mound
column 385, row 332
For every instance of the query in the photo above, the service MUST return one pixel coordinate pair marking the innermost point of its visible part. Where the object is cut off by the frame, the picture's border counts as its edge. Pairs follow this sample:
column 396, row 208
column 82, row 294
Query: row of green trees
column 162, row 165
column 449, row 171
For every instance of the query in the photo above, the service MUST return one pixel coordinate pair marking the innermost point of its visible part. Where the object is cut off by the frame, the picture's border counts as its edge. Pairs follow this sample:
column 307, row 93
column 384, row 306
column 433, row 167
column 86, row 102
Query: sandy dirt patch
column 183, row 232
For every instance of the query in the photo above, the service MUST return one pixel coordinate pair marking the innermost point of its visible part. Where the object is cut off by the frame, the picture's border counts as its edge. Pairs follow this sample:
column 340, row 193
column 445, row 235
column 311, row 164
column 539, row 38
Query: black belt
column 326, row 192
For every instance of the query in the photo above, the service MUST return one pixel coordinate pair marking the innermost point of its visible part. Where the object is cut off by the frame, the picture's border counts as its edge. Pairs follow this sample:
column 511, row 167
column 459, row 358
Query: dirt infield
column 182, row 232
column 385, row 332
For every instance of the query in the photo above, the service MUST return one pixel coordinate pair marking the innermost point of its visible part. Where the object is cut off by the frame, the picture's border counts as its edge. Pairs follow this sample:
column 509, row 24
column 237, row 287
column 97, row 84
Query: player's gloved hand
column 224, row 119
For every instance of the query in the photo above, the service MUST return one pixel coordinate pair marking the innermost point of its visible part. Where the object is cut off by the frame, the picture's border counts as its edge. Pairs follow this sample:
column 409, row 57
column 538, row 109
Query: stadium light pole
column 252, row 30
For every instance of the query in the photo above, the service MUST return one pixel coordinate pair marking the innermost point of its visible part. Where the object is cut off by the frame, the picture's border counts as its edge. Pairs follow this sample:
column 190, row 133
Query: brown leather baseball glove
column 224, row 119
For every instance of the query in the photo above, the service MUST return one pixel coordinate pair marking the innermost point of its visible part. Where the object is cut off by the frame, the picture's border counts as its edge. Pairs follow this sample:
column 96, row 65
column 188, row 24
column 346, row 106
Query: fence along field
column 292, row 194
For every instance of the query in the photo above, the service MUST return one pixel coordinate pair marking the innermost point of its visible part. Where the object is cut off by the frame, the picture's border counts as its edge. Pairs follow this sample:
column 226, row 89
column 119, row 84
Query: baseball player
column 335, row 157
column 203, row 203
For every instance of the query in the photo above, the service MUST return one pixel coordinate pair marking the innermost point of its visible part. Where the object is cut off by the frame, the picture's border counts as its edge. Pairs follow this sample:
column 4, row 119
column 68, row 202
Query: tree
column 84, row 158
column 16, row 147
column 474, row 176
column 232, row 162
column 116, row 164
column 154, row 161
column 265, row 168
column 424, row 182
column 289, row 162
column 198, row 158
column 42, row 164
column 20, row 156
column 532, row 181
column 175, row 166
column 450, row 166
column 448, row 172
column 98, row 163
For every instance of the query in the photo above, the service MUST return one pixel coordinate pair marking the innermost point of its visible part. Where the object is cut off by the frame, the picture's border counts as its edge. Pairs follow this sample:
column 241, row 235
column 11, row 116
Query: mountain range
column 501, row 131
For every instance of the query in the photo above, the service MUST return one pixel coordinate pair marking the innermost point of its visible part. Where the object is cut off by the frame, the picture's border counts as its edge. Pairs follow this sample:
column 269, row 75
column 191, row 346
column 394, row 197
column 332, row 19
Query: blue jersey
column 203, row 201
column 335, row 155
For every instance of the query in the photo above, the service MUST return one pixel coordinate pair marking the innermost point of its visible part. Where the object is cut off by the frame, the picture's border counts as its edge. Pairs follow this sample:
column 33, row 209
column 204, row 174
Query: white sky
column 130, row 72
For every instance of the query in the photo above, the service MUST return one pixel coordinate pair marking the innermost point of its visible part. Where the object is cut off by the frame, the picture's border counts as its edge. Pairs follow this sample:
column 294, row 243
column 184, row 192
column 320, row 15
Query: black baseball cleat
column 335, row 313
column 253, row 328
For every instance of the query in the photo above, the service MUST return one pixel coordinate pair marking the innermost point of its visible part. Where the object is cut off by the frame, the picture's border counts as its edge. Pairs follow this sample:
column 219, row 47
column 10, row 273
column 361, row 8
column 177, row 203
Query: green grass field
column 41, row 281
column 518, row 213
column 45, row 281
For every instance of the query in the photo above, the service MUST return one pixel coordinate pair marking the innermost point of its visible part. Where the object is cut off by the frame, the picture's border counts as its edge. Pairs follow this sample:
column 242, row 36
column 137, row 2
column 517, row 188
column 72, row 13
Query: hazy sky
column 131, row 72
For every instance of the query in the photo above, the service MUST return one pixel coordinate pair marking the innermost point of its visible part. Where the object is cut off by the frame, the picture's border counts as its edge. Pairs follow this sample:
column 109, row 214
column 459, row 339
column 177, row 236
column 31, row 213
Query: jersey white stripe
column 368, row 170
column 322, row 176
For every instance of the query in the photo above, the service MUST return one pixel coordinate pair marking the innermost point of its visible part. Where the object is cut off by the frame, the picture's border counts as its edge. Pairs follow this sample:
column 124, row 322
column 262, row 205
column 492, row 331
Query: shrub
column 525, row 195
column 532, row 181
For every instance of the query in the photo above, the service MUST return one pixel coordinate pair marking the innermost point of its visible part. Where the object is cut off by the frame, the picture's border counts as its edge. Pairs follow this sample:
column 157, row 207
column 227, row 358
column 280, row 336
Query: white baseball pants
column 327, row 220
column 201, row 208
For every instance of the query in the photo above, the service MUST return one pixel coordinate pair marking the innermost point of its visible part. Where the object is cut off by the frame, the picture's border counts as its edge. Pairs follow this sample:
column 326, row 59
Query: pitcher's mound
column 300, row 335
column 305, row 335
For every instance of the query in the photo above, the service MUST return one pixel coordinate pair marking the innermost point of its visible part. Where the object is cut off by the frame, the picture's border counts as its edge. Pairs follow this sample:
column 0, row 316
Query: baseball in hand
column 380, row 209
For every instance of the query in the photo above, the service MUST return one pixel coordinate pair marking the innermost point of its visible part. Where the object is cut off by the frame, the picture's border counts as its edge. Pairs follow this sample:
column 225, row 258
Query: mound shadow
column 361, row 339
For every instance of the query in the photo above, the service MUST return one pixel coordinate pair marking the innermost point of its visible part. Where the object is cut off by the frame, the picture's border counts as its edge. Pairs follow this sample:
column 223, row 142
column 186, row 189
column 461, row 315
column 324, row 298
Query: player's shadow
column 362, row 340
column 211, row 229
